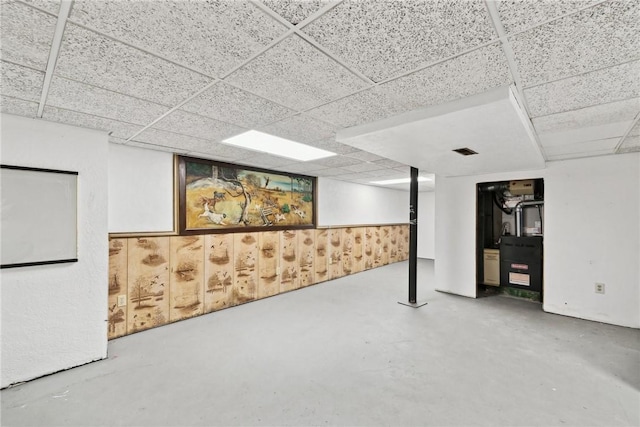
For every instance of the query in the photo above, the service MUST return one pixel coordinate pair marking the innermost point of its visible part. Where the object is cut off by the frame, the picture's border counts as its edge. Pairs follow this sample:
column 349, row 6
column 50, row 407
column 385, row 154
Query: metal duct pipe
column 519, row 207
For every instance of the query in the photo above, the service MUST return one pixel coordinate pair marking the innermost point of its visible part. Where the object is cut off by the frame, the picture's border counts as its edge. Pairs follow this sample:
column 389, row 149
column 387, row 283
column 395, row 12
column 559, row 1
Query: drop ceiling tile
column 300, row 128
column 383, row 39
column 387, row 163
column 199, row 126
column 363, row 107
column 599, row 146
column 174, row 140
column 154, row 147
column 88, row 99
column 331, row 172
column 295, row 11
column 364, row 167
column 582, row 134
column 90, row 58
column 476, row 72
column 631, row 143
column 518, row 15
column 330, row 144
column 213, row 37
column 365, row 156
column 26, row 35
column 51, row 6
column 18, row 107
column 266, row 161
column 337, row 162
column 590, row 116
column 595, row 38
column 118, row 129
column 21, row 82
column 232, row 105
column 296, row 75
column 607, row 85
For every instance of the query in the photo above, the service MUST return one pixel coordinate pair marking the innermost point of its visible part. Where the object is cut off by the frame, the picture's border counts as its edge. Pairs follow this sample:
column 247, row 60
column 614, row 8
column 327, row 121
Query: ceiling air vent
column 465, row 151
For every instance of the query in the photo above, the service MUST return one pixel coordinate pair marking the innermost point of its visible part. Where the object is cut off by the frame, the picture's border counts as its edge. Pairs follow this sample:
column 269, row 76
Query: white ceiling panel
column 18, row 107
column 295, row 11
column 598, row 87
column 365, row 156
column 631, row 142
column 386, row 38
column 363, row 107
column 582, row 134
column 213, row 37
column 51, row 6
column 90, row 58
column 300, row 128
column 148, row 146
column 26, row 35
column 306, row 168
column 331, row 172
column 115, row 128
column 20, row 82
column 199, row 126
column 170, row 139
column 590, row 116
column 296, row 75
column 337, row 162
column 232, row 105
column 387, row 163
column 595, row 38
column 330, row 144
column 581, row 149
column 364, row 167
column 518, row 15
column 92, row 100
column 466, row 75
column 491, row 124
column 262, row 160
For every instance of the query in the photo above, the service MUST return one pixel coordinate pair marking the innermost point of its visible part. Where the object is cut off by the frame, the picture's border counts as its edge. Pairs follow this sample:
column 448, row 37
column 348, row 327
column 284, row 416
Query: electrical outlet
column 122, row 300
column 599, row 288
column 330, row 260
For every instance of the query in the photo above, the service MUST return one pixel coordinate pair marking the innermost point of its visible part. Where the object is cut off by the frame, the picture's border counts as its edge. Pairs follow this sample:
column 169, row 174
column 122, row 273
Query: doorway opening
column 509, row 239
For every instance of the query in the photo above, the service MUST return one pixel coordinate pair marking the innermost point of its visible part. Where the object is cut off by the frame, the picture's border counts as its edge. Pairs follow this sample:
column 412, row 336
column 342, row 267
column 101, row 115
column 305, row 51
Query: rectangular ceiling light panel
column 265, row 143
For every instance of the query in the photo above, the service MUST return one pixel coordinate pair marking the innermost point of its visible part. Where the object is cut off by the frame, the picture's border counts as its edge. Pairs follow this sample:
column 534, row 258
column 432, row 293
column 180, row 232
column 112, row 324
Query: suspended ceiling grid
column 182, row 76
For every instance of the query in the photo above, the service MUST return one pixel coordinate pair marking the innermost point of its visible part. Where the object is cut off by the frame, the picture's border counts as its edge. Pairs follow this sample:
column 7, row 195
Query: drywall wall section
column 140, row 190
column 345, row 203
column 592, row 213
column 592, row 216
column 426, row 224
column 53, row 316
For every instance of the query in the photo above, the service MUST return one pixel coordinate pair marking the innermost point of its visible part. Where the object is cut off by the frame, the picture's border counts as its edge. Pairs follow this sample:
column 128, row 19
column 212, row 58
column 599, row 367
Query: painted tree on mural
column 230, row 175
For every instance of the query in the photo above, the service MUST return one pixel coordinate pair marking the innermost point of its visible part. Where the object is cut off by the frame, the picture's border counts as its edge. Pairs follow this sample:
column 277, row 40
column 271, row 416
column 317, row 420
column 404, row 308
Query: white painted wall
column 53, row 316
column 592, row 234
column 426, row 224
column 140, row 190
column 346, row 203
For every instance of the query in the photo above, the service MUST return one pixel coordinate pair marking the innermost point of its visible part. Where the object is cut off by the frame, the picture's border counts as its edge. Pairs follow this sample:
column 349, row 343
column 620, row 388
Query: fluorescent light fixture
column 399, row 181
column 265, row 143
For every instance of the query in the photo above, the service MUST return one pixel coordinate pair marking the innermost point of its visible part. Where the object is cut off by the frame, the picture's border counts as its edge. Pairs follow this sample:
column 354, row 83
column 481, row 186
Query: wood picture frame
column 218, row 197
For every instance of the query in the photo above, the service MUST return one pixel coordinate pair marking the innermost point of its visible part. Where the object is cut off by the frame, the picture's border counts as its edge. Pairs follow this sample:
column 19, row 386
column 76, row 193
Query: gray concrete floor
column 345, row 353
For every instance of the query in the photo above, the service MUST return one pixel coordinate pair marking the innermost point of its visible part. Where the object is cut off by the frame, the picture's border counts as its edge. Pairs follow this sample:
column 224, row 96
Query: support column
column 413, row 241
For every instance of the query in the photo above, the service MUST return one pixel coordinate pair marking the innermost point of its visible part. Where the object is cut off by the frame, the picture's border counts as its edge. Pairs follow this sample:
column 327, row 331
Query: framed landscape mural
column 216, row 197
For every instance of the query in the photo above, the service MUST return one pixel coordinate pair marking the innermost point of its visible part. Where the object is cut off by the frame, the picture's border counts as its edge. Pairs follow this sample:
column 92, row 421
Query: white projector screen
column 38, row 216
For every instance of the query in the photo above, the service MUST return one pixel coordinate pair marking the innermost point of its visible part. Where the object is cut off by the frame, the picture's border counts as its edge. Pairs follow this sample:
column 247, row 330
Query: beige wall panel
column 306, row 256
column 403, row 242
column 289, row 274
column 269, row 263
column 117, row 324
column 186, row 282
column 322, row 255
column 148, row 283
column 368, row 244
column 348, row 241
column 385, row 235
column 358, row 250
column 393, row 244
column 335, row 253
column 245, row 286
column 218, row 271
